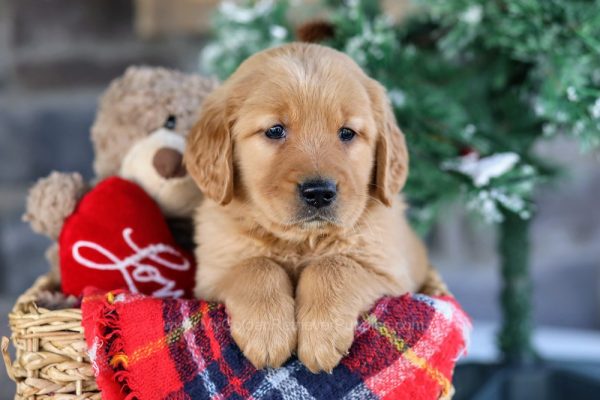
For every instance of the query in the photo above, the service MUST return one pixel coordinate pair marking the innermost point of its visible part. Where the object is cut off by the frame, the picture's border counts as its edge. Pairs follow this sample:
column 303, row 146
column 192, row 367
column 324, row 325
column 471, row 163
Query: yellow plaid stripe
column 161, row 343
column 92, row 298
column 409, row 354
column 170, row 338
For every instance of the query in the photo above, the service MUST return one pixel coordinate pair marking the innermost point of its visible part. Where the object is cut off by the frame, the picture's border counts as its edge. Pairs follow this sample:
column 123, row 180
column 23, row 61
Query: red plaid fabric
column 150, row 349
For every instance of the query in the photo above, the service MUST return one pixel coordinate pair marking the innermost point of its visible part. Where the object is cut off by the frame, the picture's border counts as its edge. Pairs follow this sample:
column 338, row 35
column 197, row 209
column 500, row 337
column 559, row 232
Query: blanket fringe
column 107, row 326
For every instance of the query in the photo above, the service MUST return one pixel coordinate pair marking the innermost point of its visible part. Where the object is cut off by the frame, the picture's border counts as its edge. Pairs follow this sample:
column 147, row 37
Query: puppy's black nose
column 318, row 193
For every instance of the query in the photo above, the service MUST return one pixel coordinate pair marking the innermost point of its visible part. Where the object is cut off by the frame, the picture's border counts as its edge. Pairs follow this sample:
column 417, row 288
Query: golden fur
column 290, row 283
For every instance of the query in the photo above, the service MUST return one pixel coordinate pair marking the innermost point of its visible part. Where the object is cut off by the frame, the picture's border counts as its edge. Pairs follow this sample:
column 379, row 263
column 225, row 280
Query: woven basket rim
column 51, row 359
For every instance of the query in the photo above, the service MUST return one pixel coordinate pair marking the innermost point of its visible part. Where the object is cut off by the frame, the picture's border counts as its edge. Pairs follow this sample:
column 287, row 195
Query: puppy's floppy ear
column 391, row 158
column 209, row 150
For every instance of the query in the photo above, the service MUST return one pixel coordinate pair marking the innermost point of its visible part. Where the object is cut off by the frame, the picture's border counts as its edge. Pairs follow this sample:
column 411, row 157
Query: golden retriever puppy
column 303, row 230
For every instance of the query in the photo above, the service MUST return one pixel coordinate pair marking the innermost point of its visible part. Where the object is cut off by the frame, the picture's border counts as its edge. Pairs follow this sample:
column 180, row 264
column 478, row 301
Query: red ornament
column 117, row 238
column 465, row 151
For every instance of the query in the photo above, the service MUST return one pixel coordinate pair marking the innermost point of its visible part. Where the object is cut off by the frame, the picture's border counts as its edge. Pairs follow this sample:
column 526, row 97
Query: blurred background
column 57, row 56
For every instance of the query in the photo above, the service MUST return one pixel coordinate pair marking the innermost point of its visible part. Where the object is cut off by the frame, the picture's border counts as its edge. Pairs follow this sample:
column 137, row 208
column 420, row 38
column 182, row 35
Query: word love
column 135, row 268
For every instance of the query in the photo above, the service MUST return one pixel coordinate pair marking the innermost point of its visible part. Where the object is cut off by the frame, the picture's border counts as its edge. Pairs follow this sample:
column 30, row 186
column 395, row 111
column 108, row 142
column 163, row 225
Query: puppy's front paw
column 265, row 331
column 323, row 340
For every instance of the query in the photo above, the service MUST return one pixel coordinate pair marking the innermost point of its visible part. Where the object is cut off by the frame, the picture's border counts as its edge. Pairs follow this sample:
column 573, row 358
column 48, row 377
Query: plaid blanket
column 147, row 348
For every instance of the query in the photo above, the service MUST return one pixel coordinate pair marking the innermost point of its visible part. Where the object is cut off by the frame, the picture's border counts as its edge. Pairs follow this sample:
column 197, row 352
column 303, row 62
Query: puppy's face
column 303, row 136
column 305, row 145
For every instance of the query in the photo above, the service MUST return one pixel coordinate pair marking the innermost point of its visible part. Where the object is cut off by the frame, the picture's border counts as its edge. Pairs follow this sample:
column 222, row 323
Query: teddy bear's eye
column 170, row 122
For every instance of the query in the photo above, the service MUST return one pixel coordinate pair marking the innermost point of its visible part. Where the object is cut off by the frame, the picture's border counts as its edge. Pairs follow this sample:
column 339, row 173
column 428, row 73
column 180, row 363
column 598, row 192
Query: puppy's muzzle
column 318, row 193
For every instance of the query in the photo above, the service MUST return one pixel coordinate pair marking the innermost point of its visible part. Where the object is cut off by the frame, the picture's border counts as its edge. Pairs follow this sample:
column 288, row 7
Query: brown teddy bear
column 139, row 134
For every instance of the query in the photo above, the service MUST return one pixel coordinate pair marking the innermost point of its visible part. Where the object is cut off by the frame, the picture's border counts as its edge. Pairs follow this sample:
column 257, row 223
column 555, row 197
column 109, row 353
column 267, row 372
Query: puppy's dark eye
column 170, row 122
column 346, row 134
column 275, row 132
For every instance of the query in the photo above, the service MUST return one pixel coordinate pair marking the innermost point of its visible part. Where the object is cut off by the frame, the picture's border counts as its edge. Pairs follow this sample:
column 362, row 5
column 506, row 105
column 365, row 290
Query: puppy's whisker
column 368, row 224
column 371, row 197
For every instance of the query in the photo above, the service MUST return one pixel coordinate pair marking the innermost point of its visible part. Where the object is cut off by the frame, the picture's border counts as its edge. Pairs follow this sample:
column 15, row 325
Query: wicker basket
column 51, row 360
column 51, row 357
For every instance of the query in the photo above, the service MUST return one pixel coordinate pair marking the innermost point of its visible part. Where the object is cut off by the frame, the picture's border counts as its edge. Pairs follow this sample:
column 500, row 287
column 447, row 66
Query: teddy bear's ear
column 208, row 154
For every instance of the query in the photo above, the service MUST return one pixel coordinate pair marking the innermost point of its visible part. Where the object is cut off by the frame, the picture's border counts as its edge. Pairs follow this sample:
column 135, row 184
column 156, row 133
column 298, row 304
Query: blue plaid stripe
column 328, row 386
column 282, row 382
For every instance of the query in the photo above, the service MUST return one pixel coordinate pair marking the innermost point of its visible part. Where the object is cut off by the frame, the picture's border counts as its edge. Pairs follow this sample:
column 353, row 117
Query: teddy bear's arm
column 51, row 200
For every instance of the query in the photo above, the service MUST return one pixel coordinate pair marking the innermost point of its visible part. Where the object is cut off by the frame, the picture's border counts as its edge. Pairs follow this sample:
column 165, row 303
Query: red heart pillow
column 117, row 238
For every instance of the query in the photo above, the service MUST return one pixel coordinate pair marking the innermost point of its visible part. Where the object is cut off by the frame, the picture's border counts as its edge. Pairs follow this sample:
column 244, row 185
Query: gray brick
column 76, row 70
column 5, row 53
column 46, row 22
column 7, row 387
column 21, row 255
column 37, row 136
column 13, row 153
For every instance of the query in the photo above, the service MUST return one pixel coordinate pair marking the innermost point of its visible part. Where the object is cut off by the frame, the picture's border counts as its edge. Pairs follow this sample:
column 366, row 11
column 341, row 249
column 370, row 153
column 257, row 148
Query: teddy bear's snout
column 168, row 162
